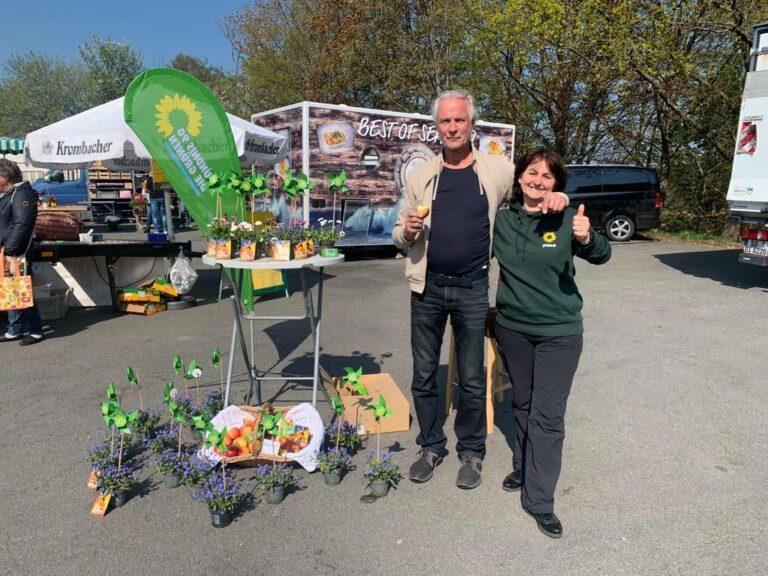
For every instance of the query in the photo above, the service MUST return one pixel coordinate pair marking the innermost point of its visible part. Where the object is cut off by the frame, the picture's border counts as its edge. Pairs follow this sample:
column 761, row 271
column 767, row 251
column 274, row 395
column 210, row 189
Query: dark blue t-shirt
column 460, row 235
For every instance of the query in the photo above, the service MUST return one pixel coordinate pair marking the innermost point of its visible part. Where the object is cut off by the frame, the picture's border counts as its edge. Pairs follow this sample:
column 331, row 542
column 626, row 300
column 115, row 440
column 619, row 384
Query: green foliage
column 110, row 67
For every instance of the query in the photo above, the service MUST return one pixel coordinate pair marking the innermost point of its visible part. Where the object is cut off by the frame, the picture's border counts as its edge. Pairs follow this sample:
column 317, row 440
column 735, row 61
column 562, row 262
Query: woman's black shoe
column 513, row 481
column 548, row 523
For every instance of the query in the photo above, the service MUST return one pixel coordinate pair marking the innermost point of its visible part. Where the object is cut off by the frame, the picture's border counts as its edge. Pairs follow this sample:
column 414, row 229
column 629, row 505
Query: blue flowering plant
column 161, row 439
column 220, row 493
column 101, row 455
column 381, row 468
column 169, row 461
column 347, row 437
column 213, row 404
column 112, row 480
column 195, row 471
column 334, row 459
column 270, row 476
column 147, row 420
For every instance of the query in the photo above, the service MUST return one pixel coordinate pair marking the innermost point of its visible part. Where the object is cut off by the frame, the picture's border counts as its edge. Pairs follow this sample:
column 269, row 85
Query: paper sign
column 270, row 448
column 92, row 478
column 101, row 504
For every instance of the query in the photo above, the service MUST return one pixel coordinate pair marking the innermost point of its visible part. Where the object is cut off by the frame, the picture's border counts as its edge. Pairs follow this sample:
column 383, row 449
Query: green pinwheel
column 121, row 422
column 178, row 365
column 201, row 424
column 215, row 440
column 133, row 380
column 352, row 380
column 336, row 186
column 268, row 423
column 290, row 184
column 380, row 411
column 112, row 392
column 215, row 183
column 303, row 184
column 259, row 183
column 168, row 393
column 216, row 363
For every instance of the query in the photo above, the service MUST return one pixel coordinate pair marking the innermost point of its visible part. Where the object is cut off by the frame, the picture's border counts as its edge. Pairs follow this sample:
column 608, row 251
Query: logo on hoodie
column 549, row 240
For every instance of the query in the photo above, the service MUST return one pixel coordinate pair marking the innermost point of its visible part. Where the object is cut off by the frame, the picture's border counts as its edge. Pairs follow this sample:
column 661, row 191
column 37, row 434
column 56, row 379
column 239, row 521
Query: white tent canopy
column 101, row 133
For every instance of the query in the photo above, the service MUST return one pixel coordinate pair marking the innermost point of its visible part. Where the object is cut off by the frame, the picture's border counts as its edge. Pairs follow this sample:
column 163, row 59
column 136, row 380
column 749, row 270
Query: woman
column 538, row 324
column 18, row 213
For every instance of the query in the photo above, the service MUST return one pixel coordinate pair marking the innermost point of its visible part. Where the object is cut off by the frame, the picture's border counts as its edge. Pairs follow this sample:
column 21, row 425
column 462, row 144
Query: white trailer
column 748, row 189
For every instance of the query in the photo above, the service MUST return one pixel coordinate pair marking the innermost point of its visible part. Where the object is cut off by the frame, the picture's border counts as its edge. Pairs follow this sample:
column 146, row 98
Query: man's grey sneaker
column 469, row 473
column 421, row 470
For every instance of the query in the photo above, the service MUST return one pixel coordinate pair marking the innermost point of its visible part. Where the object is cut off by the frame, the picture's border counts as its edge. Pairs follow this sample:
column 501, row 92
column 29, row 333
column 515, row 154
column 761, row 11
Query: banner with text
column 188, row 134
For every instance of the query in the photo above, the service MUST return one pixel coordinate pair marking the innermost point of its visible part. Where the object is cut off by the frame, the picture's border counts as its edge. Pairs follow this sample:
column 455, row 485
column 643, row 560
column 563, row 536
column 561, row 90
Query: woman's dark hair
column 554, row 163
column 11, row 171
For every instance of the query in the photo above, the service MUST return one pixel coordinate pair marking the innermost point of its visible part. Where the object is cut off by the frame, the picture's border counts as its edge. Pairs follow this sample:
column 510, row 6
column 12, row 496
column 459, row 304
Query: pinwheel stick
column 112, row 442
column 378, row 439
column 221, row 379
column 178, row 454
column 186, row 388
column 141, row 401
column 338, row 430
column 197, row 385
column 120, row 456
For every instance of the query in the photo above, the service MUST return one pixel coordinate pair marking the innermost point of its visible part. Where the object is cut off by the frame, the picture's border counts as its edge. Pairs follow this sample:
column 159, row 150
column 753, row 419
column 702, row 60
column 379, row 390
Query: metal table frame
column 238, row 267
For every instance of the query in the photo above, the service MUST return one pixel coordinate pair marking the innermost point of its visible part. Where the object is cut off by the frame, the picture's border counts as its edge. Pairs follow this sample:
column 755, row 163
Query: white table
column 317, row 262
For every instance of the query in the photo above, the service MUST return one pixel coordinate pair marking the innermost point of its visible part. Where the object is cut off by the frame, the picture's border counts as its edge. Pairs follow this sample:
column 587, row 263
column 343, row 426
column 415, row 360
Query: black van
column 619, row 200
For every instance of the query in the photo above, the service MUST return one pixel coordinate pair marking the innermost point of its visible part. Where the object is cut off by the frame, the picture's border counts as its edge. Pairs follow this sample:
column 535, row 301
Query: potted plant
column 169, row 463
column 139, row 208
column 219, row 236
column 213, row 404
column 100, row 456
column 161, row 438
column 247, row 239
column 275, row 479
column 146, row 421
column 380, row 473
column 222, row 496
column 194, row 470
column 116, row 482
column 333, row 463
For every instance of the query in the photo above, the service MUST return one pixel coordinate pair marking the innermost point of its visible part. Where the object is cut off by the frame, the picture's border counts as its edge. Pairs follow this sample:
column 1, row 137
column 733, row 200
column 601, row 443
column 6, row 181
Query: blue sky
column 157, row 29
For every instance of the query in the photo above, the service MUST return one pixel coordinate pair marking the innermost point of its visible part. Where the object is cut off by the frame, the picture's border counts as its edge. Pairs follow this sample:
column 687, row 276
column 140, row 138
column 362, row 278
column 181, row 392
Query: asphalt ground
column 664, row 466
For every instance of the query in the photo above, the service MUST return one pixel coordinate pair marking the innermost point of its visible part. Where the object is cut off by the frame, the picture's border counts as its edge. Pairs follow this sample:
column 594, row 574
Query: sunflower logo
column 549, row 237
column 169, row 115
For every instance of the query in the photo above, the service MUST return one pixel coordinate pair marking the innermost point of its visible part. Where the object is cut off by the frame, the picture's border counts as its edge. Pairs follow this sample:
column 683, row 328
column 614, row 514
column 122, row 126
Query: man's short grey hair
column 461, row 95
column 11, row 171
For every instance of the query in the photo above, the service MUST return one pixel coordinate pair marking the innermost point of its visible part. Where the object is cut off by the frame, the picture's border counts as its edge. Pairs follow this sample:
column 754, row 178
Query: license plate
column 756, row 247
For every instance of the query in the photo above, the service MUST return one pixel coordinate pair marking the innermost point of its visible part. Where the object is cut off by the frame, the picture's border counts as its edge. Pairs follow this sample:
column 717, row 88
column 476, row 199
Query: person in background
column 539, row 325
column 156, row 213
column 18, row 213
column 445, row 223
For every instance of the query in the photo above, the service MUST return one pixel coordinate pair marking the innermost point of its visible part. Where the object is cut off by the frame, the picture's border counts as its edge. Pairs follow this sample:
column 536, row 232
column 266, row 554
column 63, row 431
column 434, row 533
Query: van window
column 584, row 181
column 625, row 180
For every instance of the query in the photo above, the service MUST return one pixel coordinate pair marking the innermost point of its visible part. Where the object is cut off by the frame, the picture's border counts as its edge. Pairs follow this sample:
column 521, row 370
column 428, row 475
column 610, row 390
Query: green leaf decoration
column 131, row 374
column 112, row 392
column 338, row 406
column 167, row 392
column 216, row 358
column 178, row 365
column 380, row 409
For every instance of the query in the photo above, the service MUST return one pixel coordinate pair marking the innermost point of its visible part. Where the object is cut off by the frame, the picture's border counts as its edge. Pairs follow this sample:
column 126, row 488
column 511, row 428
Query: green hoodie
column 537, row 294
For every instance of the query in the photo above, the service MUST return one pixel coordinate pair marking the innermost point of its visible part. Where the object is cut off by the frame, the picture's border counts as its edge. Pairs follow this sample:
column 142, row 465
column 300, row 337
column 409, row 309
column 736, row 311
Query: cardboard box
column 355, row 406
column 138, row 295
column 146, row 308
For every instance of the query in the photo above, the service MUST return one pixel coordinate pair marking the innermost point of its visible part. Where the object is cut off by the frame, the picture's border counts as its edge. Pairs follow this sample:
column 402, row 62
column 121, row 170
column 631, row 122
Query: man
column 448, row 240
column 18, row 213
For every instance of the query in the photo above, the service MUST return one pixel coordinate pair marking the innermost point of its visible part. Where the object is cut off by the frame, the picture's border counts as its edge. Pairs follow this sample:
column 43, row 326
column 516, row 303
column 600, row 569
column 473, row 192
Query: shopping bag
column 15, row 289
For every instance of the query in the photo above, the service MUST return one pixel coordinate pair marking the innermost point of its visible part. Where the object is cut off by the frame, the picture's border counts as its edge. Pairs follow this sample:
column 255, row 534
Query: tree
column 110, row 68
column 38, row 90
column 222, row 84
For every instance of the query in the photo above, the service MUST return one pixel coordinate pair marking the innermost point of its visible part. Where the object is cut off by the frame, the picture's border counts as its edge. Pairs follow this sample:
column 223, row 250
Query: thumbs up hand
column 581, row 230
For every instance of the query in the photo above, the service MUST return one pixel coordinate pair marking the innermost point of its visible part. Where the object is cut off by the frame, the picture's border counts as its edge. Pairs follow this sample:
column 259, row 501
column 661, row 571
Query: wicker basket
column 57, row 226
column 254, row 457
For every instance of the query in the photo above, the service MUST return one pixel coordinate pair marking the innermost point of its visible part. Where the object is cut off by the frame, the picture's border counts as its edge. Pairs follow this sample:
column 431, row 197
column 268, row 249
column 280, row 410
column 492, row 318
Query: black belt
column 463, row 281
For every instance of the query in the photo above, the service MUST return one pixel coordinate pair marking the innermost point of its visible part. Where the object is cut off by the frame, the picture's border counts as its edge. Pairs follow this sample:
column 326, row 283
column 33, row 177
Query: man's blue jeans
column 157, row 214
column 16, row 322
column 467, row 308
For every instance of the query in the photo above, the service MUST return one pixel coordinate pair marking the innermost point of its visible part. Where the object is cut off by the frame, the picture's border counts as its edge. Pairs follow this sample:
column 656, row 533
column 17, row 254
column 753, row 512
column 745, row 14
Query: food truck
column 377, row 149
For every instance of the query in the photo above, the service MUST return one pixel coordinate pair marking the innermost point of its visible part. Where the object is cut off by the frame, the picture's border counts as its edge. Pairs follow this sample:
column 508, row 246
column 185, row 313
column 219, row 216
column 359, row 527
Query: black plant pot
column 171, row 480
column 221, row 519
column 120, row 498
